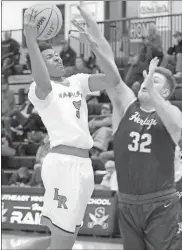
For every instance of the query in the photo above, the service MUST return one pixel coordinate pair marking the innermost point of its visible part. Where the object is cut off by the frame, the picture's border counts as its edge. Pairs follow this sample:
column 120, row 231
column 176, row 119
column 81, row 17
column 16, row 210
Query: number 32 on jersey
column 140, row 143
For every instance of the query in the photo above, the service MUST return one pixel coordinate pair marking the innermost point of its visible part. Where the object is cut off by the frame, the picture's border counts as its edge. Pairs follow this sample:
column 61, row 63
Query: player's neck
column 147, row 106
column 60, row 80
column 57, row 79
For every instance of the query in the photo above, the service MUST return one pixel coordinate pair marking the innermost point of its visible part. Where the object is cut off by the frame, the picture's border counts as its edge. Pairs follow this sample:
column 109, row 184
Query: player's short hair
column 169, row 77
column 44, row 46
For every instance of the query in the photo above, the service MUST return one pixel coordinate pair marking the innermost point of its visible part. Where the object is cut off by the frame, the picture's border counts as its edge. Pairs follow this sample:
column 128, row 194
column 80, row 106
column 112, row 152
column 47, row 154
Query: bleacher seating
column 21, row 161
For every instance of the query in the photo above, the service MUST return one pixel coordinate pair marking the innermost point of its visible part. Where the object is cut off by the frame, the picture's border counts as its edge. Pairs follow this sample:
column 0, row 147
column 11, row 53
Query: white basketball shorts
column 69, row 183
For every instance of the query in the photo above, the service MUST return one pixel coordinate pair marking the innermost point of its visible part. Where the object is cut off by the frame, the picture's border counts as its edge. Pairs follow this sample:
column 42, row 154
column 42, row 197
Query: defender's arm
column 170, row 115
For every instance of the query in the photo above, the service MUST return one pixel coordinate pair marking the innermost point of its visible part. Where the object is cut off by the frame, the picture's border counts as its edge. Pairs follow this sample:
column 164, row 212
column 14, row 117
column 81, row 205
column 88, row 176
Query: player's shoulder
column 175, row 108
column 79, row 76
column 33, row 85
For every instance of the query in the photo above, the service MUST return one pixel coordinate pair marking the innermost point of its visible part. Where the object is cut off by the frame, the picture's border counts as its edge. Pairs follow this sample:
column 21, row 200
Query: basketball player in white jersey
column 67, row 171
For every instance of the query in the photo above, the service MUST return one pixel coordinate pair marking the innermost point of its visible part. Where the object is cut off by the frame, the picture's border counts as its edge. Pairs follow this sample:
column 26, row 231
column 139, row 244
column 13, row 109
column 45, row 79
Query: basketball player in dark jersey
column 147, row 130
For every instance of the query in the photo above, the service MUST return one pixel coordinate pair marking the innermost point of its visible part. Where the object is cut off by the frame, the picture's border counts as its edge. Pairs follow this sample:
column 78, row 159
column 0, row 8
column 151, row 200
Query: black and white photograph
column 91, row 125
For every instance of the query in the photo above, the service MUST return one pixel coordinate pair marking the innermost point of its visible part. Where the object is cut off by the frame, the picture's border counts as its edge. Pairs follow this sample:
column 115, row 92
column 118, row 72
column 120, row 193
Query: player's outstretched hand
column 92, row 26
column 153, row 65
column 148, row 79
column 84, row 37
column 30, row 23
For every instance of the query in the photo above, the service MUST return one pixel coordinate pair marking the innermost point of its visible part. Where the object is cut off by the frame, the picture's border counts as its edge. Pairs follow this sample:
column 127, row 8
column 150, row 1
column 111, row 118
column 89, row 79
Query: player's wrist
column 30, row 37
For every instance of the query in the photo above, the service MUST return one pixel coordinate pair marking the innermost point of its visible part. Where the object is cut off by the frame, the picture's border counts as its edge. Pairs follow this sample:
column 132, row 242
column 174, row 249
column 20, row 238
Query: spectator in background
column 10, row 51
column 42, row 151
column 176, row 50
column 20, row 178
column 104, row 120
column 101, row 131
column 150, row 47
column 138, row 64
column 91, row 64
column 67, row 54
column 153, row 44
column 7, row 149
column 36, row 179
column 34, row 123
column 78, row 68
column 109, row 180
column 7, row 102
column 4, row 178
column 106, row 156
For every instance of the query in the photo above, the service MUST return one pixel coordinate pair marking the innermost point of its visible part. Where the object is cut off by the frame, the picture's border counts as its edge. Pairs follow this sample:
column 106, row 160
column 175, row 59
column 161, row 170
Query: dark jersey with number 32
column 144, row 153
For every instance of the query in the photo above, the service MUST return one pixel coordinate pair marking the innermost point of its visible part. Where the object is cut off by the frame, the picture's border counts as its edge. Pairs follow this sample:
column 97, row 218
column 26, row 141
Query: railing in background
column 124, row 35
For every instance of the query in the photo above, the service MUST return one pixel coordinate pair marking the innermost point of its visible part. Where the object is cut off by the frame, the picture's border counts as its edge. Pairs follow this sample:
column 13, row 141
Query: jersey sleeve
column 38, row 103
column 84, row 82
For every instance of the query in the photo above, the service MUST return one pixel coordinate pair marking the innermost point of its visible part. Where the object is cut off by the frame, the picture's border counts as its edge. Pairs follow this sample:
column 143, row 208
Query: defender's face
column 53, row 62
column 160, row 86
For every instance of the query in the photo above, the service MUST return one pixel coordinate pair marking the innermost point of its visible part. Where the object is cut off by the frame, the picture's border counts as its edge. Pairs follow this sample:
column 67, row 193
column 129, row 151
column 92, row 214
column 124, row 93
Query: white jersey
column 64, row 112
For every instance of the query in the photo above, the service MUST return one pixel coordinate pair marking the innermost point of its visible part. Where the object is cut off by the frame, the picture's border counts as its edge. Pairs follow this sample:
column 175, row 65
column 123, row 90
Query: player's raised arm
column 111, row 76
column 119, row 93
column 170, row 115
column 94, row 31
column 39, row 70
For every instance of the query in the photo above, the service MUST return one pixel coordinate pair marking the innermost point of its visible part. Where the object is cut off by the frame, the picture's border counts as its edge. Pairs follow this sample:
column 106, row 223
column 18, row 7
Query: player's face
column 160, row 86
column 53, row 62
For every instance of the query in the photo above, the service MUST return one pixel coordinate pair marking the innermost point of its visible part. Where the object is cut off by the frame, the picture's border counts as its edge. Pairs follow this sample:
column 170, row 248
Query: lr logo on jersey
column 60, row 198
column 99, row 218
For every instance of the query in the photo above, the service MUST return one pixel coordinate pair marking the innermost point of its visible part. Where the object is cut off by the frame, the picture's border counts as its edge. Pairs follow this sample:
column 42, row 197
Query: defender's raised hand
column 92, row 26
column 95, row 32
column 84, row 36
column 153, row 65
column 148, row 82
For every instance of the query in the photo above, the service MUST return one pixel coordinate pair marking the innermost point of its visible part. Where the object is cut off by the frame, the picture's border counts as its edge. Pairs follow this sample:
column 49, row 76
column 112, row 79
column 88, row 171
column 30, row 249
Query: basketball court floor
column 15, row 239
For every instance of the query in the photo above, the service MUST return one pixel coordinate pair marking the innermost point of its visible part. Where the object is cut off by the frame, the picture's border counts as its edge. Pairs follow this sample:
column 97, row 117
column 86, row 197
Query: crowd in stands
column 25, row 142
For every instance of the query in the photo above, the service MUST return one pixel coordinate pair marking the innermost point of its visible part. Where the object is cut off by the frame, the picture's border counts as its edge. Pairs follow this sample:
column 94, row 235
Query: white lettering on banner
column 136, row 118
column 179, row 194
column 156, row 8
column 104, row 202
column 3, row 212
column 98, row 218
column 18, row 217
column 14, row 197
column 139, row 29
column 37, row 198
column 36, row 207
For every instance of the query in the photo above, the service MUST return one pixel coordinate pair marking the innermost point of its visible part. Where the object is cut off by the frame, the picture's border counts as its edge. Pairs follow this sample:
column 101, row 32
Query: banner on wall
column 139, row 29
column 23, row 211
column 156, row 8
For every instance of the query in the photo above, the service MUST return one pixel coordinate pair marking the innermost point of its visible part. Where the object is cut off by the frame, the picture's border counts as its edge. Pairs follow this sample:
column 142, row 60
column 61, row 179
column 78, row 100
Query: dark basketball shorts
column 151, row 224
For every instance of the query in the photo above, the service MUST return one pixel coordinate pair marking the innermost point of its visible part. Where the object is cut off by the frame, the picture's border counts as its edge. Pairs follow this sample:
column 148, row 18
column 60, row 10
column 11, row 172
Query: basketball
column 49, row 21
